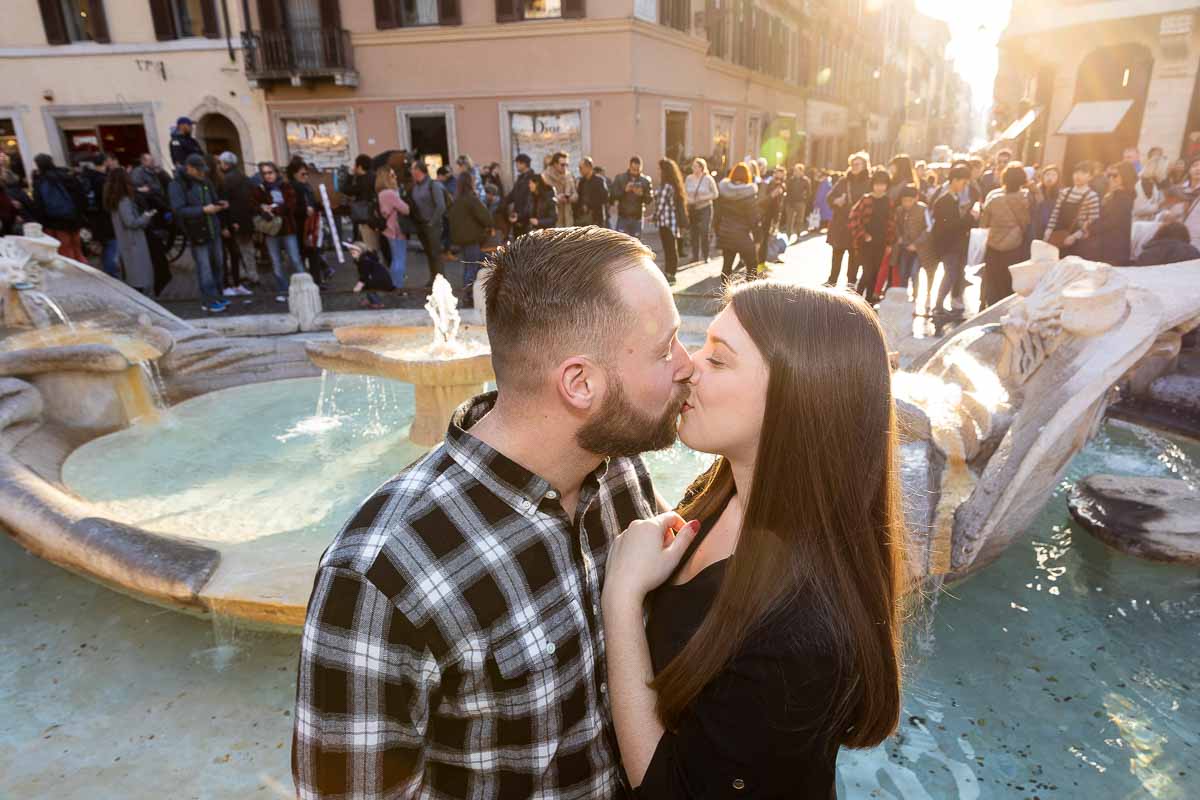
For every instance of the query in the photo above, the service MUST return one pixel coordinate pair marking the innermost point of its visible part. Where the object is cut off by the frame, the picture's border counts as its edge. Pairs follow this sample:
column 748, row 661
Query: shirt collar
column 520, row 488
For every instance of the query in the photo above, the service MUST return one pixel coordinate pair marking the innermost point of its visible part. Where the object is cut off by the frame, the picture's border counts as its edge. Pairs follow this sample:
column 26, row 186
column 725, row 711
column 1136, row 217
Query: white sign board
column 1101, row 116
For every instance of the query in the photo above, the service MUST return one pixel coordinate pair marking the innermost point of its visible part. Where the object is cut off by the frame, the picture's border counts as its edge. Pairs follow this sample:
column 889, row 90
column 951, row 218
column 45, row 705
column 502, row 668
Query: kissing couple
column 518, row 614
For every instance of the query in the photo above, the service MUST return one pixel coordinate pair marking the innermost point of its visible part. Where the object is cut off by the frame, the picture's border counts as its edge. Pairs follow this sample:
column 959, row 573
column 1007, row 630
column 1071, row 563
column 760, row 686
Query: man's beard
column 621, row 429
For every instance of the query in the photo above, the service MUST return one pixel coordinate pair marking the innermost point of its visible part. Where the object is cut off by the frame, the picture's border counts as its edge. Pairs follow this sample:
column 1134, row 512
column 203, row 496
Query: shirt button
column 604, row 688
column 550, row 648
column 525, row 504
column 739, row 784
column 595, row 608
column 551, row 495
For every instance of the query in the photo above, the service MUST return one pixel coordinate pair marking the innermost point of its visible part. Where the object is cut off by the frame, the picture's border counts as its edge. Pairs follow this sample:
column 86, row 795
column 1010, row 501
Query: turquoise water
column 1062, row 669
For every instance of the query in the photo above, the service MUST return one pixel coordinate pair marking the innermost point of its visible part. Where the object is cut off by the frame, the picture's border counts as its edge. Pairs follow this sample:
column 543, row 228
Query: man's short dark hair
column 1014, row 176
column 419, row 164
column 443, row 171
column 364, row 161
column 635, row 160
column 550, row 294
column 523, row 159
column 960, row 173
column 880, row 176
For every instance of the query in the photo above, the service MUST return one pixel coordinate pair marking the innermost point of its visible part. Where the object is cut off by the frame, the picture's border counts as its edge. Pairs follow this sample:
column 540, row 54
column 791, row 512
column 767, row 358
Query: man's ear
column 580, row 383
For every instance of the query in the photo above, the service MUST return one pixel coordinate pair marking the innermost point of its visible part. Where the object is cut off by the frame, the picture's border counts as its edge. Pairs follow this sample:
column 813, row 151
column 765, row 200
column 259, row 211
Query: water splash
column 154, row 385
column 442, row 306
column 53, row 307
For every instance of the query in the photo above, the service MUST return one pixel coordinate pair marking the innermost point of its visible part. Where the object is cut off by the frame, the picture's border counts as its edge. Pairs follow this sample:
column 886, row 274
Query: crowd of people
column 884, row 226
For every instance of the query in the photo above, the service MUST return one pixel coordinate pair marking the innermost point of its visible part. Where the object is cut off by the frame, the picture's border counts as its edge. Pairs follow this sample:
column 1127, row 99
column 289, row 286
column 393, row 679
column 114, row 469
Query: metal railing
column 297, row 52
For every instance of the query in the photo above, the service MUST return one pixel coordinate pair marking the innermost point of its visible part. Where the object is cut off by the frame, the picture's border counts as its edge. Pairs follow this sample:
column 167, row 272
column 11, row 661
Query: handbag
column 1058, row 238
column 268, row 226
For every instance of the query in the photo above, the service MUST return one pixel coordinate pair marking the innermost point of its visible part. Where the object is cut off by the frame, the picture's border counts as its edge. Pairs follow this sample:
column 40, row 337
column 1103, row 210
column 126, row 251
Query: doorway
column 429, row 137
column 218, row 134
column 84, row 139
column 676, row 135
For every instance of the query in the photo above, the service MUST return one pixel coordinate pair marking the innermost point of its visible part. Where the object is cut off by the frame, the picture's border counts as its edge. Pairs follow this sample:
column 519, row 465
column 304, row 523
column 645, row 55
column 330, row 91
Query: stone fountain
column 446, row 365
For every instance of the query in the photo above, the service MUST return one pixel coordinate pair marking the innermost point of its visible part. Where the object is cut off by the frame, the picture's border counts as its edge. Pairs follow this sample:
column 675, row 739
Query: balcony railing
column 298, row 55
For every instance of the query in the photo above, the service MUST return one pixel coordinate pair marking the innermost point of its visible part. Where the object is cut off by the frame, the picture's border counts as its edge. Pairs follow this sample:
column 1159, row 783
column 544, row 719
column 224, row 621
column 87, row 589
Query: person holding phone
column 195, row 205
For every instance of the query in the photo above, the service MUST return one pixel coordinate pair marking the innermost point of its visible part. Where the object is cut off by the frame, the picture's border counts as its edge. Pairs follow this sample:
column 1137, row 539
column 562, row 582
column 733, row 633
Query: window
column 69, row 21
column 539, row 134
column 324, row 141
column 415, row 13
column 184, row 19
column 517, row 10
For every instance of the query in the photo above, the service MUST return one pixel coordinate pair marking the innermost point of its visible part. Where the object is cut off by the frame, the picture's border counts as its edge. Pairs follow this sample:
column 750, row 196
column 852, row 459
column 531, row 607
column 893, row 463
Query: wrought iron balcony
column 298, row 55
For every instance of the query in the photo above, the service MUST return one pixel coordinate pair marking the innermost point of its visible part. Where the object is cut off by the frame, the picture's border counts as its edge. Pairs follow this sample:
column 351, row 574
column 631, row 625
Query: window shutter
column 385, row 15
column 331, row 14
column 52, row 20
column 573, row 9
column 449, row 12
column 208, row 15
column 99, row 22
column 164, row 20
column 506, row 11
column 270, row 18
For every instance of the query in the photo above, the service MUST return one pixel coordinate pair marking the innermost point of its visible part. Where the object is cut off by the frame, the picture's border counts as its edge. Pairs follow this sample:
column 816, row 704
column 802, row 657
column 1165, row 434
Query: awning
column 1101, row 116
column 1019, row 126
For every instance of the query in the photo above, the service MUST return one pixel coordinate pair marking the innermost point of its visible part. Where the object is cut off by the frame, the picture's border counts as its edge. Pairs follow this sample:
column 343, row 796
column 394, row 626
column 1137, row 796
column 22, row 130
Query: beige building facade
column 86, row 75
column 1091, row 79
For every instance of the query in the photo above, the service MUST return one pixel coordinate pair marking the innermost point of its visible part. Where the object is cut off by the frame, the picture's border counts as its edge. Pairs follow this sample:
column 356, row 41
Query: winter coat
column 61, row 184
column 630, row 205
column 821, row 200
column 188, row 197
column 564, row 187
column 286, row 210
column 862, row 214
column 850, row 188
column 99, row 221
column 592, row 207
column 951, row 225
column 429, row 202
column 912, row 227
column 391, row 208
column 770, row 208
column 129, row 226
column 544, row 209
column 519, row 200
column 1006, row 215
column 238, row 190
column 469, row 220
column 737, row 213
column 1108, row 238
column 1043, row 206
column 1166, row 251
column 798, row 189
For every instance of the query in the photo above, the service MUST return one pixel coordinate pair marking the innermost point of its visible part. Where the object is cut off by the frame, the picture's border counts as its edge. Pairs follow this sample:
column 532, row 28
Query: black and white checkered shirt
column 453, row 646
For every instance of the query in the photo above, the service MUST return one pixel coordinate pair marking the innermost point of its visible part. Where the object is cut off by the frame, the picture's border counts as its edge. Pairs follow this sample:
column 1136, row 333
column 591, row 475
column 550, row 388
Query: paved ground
column 698, row 283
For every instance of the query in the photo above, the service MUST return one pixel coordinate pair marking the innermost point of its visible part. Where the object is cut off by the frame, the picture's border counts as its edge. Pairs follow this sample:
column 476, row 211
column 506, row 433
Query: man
column 239, row 192
column 60, row 205
column 518, row 204
column 93, row 172
column 194, row 202
column 771, row 200
column 593, row 195
column 362, row 196
column 453, row 645
column 991, row 179
column 148, row 177
column 631, row 191
column 560, row 180
column 428, row 213
column 182, row 143
column 799, row 193
column 952, row 223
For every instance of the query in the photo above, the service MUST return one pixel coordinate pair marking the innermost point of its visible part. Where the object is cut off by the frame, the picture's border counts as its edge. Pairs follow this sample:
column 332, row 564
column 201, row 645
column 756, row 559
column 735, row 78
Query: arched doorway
column 217, row 134
column 1118, row 72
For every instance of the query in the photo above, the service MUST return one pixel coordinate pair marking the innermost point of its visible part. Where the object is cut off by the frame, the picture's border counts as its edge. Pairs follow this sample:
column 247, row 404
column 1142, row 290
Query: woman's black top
column 757, row 729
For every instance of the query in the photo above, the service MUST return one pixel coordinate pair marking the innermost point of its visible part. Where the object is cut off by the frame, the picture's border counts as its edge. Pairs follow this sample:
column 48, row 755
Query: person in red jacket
column 872, row 229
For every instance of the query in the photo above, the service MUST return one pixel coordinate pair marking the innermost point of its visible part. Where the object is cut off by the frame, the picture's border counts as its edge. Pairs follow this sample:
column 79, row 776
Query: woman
column 842, row 197
column 1147, row 196
column 1006, row 215
column 670, row 213
column 308, row 218
column 129, row 226
column 901, row 171
column 701, row 192
column 1108, row 238
column 276, row 203
column 391, row 209
column 773, row 632
column 1076, row 208
column 1177, row 175
column 737, row 217
column 470, row 226
column 1045, row 197
column 544, row 210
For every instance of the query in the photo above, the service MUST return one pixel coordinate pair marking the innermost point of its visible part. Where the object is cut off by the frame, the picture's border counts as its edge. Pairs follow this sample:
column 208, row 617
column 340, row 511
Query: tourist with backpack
column 93, row 173
column 60, row 203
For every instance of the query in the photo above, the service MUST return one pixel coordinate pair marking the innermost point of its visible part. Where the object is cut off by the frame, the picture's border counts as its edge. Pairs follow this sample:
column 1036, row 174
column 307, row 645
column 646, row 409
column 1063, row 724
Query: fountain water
column 445, row 370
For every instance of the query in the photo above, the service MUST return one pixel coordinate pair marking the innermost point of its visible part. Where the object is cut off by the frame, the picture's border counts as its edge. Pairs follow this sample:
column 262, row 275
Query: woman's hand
column 645, row 555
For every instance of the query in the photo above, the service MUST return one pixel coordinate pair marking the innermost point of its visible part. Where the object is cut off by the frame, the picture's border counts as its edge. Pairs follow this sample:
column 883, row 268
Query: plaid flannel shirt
column 453, row 645
column 665, row 215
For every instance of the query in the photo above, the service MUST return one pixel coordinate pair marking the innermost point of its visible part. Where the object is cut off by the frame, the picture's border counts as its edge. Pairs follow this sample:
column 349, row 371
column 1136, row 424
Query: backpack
column 57, row 201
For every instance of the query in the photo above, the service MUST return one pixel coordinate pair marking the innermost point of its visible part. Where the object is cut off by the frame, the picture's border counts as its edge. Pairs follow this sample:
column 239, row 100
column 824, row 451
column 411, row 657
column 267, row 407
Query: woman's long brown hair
column 822, row 516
